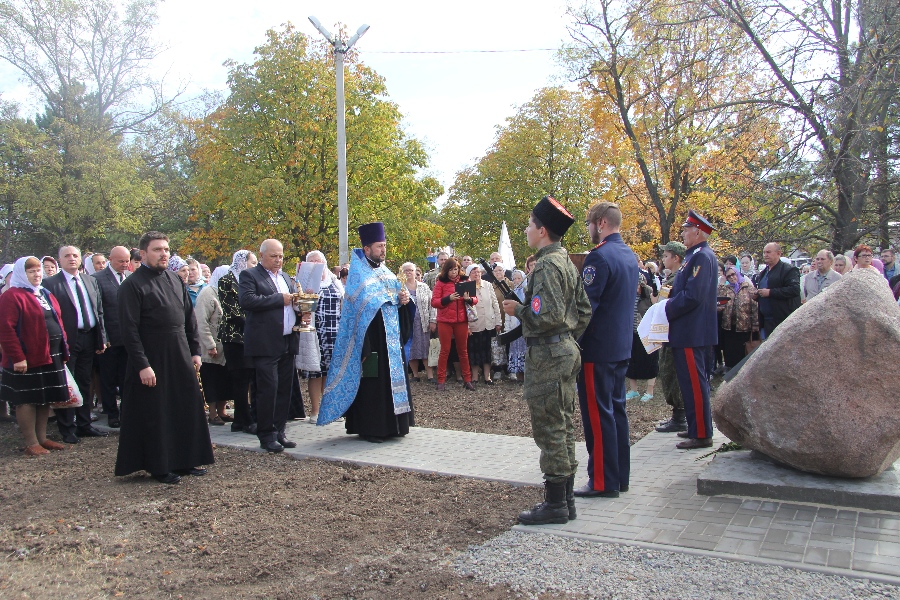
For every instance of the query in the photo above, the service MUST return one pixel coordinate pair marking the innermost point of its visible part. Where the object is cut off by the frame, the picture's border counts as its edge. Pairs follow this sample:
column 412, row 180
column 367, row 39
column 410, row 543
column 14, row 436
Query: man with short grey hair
column 816, row 281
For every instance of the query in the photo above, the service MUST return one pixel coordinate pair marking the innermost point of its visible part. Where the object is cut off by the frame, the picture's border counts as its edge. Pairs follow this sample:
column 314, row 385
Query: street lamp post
column 341, row 48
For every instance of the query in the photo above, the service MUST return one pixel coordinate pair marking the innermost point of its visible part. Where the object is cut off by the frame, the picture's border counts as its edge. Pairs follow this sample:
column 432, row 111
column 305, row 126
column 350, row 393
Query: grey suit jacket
column 59, row 287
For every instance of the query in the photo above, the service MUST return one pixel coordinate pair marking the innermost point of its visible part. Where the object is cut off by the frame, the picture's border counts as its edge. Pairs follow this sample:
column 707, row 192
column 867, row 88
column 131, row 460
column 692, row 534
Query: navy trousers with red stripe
column 692, row 367
column 601, row 394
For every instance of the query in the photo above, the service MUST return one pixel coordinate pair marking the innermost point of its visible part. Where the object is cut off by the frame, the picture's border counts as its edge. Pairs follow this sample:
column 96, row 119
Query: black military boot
column 570, row 497
column 678, row 422
column 553, row 509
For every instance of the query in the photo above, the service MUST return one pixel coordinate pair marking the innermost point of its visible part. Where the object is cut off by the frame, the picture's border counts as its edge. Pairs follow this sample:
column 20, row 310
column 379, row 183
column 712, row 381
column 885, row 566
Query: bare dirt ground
column 260, row 526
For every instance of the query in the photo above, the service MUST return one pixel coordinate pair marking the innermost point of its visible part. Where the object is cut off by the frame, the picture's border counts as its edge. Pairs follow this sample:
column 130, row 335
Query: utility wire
column 455, row 51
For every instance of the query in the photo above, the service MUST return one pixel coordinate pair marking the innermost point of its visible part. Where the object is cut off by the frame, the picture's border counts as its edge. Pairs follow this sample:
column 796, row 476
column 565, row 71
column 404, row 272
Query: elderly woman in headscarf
column 216, row 379
column 485, row 327
column 424, row 322
column 738, row 318
column 327, row 319
column 231, row 334
column 178, row 266
column 34, row 352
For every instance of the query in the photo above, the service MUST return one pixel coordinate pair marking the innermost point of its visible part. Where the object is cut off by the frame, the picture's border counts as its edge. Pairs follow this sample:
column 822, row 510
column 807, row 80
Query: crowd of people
column 165, row 344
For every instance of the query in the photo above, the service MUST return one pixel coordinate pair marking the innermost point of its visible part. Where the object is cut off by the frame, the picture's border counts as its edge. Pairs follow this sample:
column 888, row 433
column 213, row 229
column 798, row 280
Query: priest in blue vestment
column 367, row 381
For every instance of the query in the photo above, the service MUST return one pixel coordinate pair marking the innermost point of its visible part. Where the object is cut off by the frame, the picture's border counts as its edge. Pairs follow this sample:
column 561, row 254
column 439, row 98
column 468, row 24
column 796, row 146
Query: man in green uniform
column 555, row 313
column 673, row 254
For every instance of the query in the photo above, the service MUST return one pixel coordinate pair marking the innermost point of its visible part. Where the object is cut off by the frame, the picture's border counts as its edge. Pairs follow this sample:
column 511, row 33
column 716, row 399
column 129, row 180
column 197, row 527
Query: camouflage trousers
column 551, row 372
column 667, row 380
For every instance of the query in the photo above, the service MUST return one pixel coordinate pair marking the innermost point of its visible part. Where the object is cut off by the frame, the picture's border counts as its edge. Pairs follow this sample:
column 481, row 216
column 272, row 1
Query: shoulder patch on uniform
column 696, row 270
column 588, row 275
column 536, row 305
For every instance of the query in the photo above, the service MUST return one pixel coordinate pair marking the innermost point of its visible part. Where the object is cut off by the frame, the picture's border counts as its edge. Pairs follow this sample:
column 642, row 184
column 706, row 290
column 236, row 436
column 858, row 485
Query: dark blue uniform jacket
column 610, row 275
column 691, row 308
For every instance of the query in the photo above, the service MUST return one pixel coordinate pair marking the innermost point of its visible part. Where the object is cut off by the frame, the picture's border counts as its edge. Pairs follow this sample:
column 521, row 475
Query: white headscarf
column 6, row 270
column 239, row 263
column 20, row 278
column 329, row 277
column 217, row 275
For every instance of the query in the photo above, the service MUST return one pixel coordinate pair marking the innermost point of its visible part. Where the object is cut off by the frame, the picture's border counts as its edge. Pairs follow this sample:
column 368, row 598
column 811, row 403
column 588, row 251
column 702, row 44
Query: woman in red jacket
column 34, row 350
column 452, row 321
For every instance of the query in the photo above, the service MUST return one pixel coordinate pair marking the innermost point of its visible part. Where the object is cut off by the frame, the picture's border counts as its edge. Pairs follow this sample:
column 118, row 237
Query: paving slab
column 745, row 473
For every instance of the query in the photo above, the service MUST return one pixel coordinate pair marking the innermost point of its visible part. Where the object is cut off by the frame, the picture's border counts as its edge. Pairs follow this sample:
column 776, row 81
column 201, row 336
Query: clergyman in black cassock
column 163, row 426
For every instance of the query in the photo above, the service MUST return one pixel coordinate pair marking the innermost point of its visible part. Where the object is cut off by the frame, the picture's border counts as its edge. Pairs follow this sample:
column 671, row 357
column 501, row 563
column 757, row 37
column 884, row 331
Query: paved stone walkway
column 661, row 510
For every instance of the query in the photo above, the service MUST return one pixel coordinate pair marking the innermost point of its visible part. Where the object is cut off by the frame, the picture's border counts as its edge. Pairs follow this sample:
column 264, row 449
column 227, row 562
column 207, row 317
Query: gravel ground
column 548, row 565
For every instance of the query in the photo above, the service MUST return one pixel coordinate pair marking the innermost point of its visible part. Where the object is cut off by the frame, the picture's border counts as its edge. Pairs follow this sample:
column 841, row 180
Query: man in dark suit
column 114, row 360
column 610, row 276
column 82, row 314
column 778, row 289
column 693, row 329
column 265, row 294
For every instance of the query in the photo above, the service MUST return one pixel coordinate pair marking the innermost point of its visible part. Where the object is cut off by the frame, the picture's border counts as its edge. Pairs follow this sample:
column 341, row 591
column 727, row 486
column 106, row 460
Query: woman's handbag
column 471, row 314
column 751, row 344
column 309, row 358
column 434, row 352
column 498, row 353
column 75, row 399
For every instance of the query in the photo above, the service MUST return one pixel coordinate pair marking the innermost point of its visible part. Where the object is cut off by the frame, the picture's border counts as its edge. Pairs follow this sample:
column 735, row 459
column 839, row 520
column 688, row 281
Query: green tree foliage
column 266, row 159
column 541, row 150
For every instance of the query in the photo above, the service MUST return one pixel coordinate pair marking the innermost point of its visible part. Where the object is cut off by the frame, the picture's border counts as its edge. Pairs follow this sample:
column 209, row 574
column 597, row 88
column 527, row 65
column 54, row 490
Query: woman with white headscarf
column 34, row 353
column 231, row 334
column 216, row 379
column 328, row 316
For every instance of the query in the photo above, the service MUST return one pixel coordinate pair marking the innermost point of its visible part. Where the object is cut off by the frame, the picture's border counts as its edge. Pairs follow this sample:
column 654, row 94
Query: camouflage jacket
column 555, row 300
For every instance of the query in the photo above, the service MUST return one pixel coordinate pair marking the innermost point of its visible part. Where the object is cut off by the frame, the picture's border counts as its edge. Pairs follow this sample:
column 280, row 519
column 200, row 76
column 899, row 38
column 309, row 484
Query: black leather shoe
column 196, row 471
column 115, row 423
column 70, row 438
column 372, row 438
column 683, row 434
column 586, row 491
column 251, row 428
column 271, row 446
column 170, row 478
column 286, row 442
column 693, row 444
column 623, row 489
column 91, row 432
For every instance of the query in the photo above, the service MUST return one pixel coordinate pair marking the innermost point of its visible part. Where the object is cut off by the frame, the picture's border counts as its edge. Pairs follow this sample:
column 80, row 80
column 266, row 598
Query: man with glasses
column 778, row 290
column 816, row 281
column 693, row 329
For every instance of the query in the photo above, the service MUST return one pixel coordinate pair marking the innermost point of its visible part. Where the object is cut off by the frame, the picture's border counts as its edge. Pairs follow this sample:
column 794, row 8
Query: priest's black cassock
column 163, row 427
column 372, row 411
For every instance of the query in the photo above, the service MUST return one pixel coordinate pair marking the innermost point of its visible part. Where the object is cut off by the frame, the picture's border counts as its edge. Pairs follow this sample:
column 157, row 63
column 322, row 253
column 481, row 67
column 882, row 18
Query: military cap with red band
column 696, row 220
column 552, row 215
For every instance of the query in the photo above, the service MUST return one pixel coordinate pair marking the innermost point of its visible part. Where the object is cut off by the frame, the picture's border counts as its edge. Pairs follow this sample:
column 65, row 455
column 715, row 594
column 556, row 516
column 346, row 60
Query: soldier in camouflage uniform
column 667, row 380
column 555, row 313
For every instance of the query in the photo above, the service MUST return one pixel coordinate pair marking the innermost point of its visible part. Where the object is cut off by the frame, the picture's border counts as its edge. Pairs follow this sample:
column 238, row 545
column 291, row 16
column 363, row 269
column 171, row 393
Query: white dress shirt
column 289, row 316
column 75, row 280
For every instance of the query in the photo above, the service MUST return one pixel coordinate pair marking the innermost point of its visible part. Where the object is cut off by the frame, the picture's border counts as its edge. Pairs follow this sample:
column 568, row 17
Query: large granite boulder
column 822, row 394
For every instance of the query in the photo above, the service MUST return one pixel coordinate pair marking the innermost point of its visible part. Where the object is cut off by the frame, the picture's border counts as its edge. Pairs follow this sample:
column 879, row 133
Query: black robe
column 372, row 411
column 163, row 427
